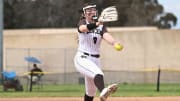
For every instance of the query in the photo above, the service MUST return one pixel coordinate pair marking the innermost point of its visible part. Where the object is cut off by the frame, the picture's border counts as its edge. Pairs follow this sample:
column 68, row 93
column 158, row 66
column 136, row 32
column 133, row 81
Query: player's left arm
column 109, row 39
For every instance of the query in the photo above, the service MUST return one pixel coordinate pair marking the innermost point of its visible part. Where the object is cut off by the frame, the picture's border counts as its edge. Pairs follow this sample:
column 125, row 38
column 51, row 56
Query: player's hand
column 99, row 23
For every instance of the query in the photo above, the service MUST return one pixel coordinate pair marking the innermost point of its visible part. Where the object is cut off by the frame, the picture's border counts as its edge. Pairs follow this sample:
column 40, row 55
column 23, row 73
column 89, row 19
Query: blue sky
column 172, row 6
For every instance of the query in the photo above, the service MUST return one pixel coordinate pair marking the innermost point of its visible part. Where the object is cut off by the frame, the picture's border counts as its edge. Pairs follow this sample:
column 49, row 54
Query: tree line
column 64, row 13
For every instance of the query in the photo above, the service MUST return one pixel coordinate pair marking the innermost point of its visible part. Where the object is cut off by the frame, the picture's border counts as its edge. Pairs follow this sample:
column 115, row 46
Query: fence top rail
column 68, row 30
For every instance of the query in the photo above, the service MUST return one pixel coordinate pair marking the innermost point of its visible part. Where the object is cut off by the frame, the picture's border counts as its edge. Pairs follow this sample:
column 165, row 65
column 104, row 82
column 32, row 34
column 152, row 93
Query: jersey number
column 95, row 40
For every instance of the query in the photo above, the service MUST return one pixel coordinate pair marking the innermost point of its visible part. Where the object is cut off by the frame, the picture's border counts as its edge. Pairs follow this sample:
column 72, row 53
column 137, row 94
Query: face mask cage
column 91, row 6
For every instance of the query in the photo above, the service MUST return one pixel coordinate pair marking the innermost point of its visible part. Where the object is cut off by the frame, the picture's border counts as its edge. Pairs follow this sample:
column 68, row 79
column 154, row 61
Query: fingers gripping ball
column 118, row 47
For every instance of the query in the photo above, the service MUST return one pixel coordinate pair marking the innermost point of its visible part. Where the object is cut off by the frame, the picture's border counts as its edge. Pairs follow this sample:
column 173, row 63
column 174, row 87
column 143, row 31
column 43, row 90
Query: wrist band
column 91, row 26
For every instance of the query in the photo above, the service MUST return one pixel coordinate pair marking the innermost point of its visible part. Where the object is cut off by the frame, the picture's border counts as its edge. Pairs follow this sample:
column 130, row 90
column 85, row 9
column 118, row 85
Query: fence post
column 158, row 79
column 1, row 38
column 65, row 66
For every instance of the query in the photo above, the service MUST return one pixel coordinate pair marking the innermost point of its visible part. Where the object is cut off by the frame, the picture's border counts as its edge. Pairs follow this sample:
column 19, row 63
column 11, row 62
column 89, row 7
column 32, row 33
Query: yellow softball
column 118, row 47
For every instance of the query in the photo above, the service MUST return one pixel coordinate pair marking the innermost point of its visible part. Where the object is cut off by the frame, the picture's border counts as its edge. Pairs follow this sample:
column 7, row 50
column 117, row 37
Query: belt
column 93, row 55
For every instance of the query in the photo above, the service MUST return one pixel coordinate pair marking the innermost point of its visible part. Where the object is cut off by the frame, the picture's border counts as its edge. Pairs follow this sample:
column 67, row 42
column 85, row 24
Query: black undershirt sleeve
column 91, row 26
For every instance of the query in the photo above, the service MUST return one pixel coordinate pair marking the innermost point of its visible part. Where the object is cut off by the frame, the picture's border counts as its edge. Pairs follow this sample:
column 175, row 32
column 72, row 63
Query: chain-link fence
column 59, row 68
column 56, row 63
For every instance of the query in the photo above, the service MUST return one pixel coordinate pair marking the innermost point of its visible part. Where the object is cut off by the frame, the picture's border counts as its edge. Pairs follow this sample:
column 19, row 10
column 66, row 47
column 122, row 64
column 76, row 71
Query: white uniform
column 87, row 60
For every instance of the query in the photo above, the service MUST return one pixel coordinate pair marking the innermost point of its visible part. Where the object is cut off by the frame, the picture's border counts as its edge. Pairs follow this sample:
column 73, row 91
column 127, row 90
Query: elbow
column 83, row 29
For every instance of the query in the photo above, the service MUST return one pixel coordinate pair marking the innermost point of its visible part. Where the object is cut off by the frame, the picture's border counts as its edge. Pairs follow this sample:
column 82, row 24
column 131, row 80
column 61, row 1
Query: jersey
column 89, row 42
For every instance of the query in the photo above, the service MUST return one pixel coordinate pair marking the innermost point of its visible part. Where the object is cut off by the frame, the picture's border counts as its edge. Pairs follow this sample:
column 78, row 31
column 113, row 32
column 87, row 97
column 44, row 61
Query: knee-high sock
column 88, row 98
column 99, row 82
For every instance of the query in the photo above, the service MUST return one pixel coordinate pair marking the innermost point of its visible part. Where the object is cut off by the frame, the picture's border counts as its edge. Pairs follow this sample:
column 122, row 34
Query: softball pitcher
column 87, row 58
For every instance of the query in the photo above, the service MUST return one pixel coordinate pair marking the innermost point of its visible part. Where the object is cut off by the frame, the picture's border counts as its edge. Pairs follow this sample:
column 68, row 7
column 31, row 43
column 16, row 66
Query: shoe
column 108, row 91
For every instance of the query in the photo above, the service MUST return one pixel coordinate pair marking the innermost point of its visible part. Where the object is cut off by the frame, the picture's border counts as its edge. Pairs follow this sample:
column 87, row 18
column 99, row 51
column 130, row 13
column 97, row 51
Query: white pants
column 89, row 67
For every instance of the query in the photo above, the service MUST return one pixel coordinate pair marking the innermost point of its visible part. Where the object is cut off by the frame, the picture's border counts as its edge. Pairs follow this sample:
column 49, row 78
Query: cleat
column 108, row 91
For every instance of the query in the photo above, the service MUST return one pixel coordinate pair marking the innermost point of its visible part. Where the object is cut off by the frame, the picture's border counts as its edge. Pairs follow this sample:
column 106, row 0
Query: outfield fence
column 145, row 50
column 58, row 66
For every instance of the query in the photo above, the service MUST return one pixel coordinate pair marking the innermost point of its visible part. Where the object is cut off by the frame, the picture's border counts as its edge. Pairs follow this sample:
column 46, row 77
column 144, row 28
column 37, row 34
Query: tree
column 64, row 13
column 166, row 20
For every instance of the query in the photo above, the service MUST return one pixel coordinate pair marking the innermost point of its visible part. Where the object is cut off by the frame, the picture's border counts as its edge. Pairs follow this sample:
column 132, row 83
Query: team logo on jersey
column 96, row 31
column 83, row 56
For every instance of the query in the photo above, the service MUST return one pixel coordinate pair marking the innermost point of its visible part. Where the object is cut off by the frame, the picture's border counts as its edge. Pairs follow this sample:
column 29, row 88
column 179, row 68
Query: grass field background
column 125, row 90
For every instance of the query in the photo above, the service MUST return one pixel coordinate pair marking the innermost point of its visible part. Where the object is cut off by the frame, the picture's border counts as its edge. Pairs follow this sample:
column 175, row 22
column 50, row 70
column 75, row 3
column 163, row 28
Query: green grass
column 148, row 90
column 78, row 90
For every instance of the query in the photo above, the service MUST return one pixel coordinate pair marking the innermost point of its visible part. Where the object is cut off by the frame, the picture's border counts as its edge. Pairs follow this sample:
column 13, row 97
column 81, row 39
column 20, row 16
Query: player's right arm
column 83, row 27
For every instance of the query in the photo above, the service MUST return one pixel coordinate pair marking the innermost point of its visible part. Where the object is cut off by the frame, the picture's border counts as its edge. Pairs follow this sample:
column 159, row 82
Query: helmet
column 88, row 6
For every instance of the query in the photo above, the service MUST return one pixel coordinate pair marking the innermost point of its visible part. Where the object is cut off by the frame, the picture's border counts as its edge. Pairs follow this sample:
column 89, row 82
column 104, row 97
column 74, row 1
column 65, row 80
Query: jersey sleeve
column 81, row 22
column 104, row 30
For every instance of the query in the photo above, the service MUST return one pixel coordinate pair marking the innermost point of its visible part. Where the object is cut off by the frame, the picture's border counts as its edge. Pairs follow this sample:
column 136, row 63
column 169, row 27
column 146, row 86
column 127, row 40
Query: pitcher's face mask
column 90, row 11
